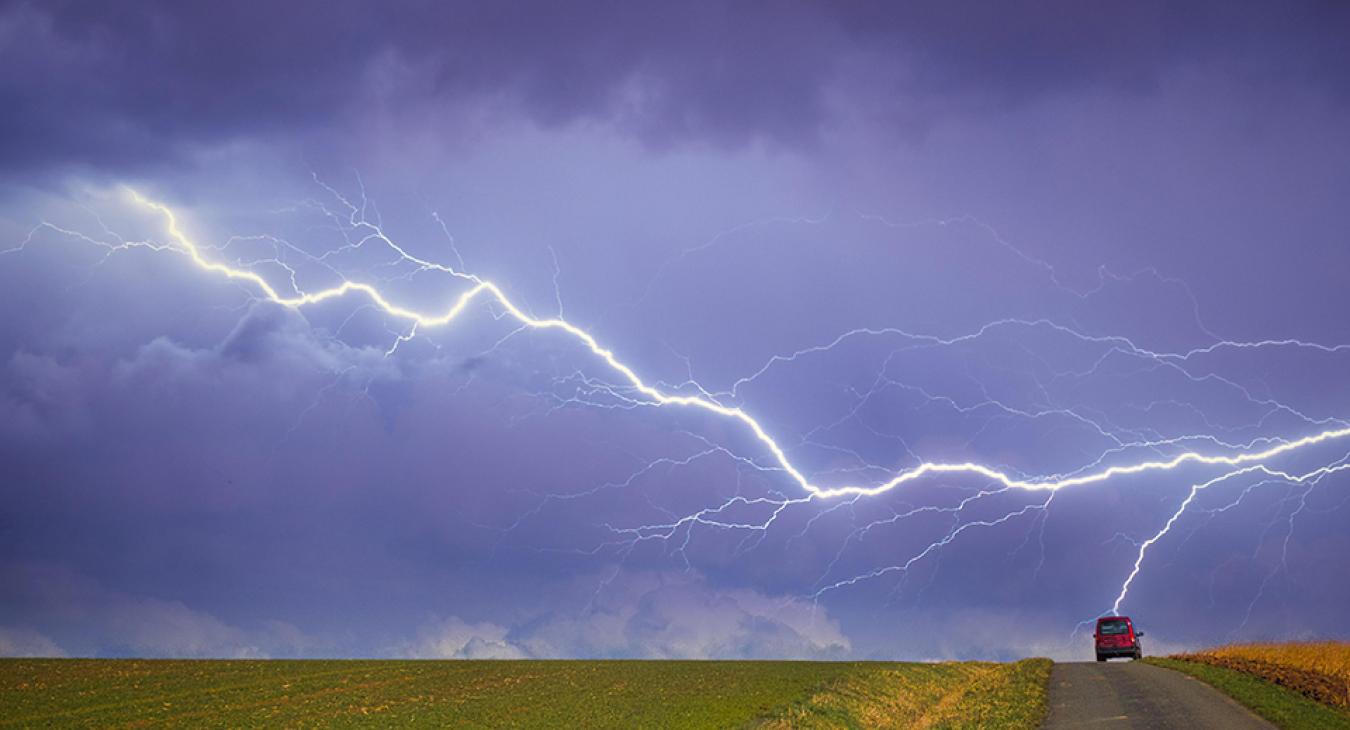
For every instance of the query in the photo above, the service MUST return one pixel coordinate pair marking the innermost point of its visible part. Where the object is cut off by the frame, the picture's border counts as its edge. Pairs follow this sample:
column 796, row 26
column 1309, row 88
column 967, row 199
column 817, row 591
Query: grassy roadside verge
column 1280, row 706
column 484, row 694
column 948, row 695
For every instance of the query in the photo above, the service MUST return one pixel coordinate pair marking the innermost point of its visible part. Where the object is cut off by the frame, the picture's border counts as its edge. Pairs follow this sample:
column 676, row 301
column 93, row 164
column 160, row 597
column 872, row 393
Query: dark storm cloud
column 172, row 449
column 1012, row 52
column 108, row 85
column 118, row 85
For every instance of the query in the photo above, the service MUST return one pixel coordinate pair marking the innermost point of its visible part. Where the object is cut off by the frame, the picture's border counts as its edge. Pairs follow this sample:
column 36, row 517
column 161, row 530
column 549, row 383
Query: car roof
column 1113, row 618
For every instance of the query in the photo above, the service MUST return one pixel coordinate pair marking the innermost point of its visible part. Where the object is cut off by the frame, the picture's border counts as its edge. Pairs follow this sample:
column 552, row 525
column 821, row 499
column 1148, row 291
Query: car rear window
column 1112, row 628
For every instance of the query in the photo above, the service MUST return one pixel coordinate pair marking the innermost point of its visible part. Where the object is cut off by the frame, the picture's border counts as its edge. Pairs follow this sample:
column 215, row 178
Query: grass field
column 677, row 694
column 1283, row 707
column 1319, row 670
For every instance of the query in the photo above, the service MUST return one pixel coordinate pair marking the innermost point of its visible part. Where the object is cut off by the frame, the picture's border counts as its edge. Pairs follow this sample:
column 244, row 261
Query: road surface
column 1125, row 694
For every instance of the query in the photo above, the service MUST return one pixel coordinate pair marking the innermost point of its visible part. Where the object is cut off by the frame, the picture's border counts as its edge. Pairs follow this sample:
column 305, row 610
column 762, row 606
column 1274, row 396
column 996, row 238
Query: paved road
column 1124, row 694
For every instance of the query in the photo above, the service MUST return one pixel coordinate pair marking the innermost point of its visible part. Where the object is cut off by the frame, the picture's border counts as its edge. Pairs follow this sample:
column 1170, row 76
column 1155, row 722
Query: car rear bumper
column 1117, row 651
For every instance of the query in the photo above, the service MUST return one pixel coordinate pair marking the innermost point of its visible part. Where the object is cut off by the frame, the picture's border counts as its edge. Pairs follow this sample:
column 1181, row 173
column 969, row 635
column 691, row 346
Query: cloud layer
column 188, row 471
column 112, row 88
column 648, row 616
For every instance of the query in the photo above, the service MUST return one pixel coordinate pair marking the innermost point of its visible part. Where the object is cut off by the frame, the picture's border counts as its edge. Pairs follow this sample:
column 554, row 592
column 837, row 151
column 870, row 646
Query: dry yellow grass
column 1320, row 670
column 1325, row 657
column 927, row 697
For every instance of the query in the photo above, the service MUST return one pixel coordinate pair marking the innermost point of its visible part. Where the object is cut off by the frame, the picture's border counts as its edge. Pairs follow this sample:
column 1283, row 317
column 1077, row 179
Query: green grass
column 1283, row 707
column 619, row 694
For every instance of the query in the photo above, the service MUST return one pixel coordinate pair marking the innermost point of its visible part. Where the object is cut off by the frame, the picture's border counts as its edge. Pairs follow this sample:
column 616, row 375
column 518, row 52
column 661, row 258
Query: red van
column 1115, row 637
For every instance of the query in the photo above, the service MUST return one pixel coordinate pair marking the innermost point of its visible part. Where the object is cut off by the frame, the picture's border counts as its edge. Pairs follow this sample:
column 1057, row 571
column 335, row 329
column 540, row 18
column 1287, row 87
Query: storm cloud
column 112, row 87
column 1043, row 236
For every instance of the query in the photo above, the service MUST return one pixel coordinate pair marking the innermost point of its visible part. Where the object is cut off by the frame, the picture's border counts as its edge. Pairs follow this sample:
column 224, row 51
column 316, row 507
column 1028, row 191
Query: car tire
column 1101, row 658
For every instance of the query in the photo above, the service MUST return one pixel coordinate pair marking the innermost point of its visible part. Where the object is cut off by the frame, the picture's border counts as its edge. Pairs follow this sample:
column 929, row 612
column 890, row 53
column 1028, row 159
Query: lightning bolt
column 1314, row 475
column 1239, row 459
column 483, row 289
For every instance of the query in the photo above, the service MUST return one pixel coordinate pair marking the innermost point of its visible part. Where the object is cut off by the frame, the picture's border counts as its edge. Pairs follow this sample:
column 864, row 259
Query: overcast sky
column 1046, row 238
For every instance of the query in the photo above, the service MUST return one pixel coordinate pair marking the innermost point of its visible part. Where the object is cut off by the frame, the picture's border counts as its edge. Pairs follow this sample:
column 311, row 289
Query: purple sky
column 1077, row 237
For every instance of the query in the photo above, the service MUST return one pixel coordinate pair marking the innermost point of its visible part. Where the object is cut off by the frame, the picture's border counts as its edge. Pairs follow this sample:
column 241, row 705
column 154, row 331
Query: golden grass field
column 1319, row 670
column 946, row 695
